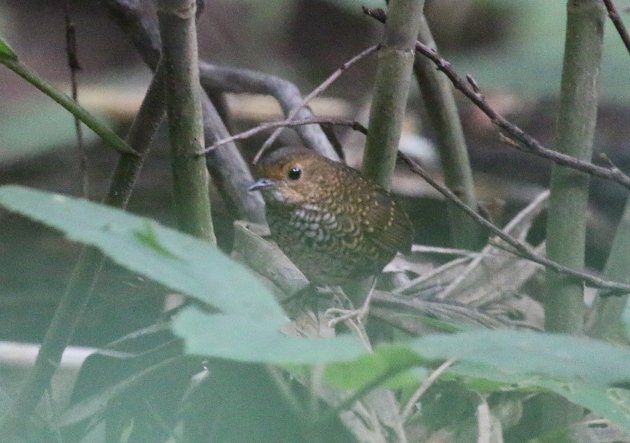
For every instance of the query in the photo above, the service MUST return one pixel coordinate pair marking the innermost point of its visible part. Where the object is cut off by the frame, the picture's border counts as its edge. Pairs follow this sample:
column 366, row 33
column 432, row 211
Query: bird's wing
column 389, row 227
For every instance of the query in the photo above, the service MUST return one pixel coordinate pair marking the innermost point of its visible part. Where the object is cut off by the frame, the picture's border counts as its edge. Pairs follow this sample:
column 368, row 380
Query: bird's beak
column 262, row 183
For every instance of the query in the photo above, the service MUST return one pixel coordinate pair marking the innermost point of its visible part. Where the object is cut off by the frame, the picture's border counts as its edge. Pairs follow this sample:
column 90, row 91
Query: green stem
column 185, row 120
column 393, row 76
column 106, row 134
column 608, row 311
column 566, row 223
column 440, row 105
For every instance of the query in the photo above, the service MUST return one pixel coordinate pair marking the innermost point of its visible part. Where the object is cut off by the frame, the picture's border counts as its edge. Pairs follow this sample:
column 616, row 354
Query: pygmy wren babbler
column 334, row 224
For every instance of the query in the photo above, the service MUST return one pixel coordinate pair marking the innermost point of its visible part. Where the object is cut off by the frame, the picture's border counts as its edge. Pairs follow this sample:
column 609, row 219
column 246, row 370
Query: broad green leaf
column 392, row 360
column 6, row 52
column 525, row 354
column 580, row 369
column 612, row 403
column 250, row 340
column 176, row 260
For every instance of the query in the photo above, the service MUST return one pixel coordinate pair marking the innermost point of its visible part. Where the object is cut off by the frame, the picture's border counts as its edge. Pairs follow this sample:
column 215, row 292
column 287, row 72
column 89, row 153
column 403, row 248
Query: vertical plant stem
column 87, row 269
column 440, row 105
column 609, row 310
column 393, row 76
column 190, row 176
column 566, row 224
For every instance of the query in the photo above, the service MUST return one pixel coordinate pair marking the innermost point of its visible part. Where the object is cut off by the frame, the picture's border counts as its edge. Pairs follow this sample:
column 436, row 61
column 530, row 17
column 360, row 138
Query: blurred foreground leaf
column 249, row 330
column 245, row 339
column 505, row 354
column 390, row 361
column 580, row 369
column 176, row 260
column 585, row 371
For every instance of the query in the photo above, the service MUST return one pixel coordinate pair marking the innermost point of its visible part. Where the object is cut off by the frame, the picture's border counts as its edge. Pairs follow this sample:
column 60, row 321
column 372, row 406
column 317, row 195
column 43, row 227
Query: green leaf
column 612, row 403
column 580, row 369
column 176, row 260
column 526, row 354
column 390, row 359
column 6, row 52
column 250, row 340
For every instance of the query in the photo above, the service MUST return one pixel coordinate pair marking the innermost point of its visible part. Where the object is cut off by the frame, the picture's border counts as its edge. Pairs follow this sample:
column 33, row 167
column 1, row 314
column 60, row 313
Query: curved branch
column 239, row 81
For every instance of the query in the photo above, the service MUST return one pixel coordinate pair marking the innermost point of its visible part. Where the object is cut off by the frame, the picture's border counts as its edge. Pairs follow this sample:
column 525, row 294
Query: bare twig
column 443, row 251
column 616, row 19
column 322, row 87
column 523, row 141
column 75, row 67
column 284, row 124
column 426, row 384
column 519, row 248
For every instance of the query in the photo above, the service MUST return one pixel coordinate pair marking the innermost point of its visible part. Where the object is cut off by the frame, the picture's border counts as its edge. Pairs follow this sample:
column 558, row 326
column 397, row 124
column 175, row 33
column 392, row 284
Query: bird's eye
column 294, row 173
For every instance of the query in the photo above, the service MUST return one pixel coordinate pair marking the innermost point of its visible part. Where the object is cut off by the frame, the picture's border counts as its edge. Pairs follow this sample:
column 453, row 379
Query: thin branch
column 519, row 248
column 322, row 87
column 74, row 66
column 424, row 386
column 616, row 19
column 284, row 124
column 442, row 251
column 523, row 141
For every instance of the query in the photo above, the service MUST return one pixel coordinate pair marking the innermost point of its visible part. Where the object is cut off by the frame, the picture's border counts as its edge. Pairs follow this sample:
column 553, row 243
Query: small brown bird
column 332, row 222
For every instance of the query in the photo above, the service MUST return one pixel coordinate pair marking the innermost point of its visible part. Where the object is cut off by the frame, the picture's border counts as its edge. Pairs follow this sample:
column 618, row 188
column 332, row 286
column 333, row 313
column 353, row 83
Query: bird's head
column 291, row 176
